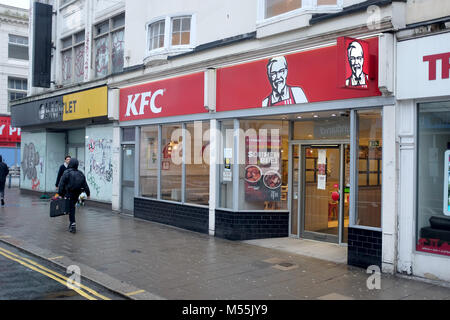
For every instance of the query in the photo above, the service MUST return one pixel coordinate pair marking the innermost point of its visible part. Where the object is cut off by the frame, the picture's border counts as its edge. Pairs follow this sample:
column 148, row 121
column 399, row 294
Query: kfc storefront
column 286, row 146
column 424, row 135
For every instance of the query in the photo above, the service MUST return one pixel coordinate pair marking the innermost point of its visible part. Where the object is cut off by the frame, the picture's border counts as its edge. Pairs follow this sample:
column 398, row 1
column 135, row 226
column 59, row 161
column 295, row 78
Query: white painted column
column 406, row 123
column 213, row 156
column 117, row 169
column 389, row 191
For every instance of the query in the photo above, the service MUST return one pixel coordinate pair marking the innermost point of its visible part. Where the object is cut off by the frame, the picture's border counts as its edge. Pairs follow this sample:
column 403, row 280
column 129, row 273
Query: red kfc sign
column 172, row 97
column 309, row 76
column 8, row 134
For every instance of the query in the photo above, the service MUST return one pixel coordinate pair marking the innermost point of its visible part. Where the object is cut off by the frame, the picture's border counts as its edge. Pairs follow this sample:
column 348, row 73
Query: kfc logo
column 282, row 94
column 355, row 55
column 143, row 100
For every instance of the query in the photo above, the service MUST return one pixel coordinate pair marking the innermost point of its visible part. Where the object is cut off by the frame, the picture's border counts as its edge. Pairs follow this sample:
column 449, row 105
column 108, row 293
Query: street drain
column 285, row 266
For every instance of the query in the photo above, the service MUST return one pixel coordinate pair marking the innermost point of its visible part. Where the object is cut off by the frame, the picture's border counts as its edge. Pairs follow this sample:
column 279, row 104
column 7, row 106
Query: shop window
column 72, row 56
column 226, row 160
column 263, row 168
column 149, row 162
column 433, row 193
column 369, row 168
column 17, row 89
column 109, row 46
column 171, row 162
column 322, row 126
column 18, row 47
column 197, row 163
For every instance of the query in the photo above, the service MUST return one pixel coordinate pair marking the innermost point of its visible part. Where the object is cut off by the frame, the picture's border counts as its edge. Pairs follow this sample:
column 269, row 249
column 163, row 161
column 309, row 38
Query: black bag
column 59, row 207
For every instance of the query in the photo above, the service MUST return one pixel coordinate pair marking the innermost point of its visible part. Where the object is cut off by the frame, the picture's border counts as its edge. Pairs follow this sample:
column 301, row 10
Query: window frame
column 15, row 90
column 73, row 46
column 109, row 36
column 18, row 45
column 307, row 7
column 168, row 48
column 159, row 197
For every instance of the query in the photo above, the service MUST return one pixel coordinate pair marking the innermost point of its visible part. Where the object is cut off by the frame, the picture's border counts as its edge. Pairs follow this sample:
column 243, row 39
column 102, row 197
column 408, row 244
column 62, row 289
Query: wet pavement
column 25, row 277
column 147, row 260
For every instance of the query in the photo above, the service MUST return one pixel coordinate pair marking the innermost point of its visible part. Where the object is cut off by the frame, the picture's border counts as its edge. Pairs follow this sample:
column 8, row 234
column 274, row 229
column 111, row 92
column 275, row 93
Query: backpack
column 76, row 181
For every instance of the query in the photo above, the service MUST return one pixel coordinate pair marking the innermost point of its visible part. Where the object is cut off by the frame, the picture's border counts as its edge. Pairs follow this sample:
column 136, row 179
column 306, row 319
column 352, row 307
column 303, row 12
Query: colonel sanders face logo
column 355, row 55
column 282, row 93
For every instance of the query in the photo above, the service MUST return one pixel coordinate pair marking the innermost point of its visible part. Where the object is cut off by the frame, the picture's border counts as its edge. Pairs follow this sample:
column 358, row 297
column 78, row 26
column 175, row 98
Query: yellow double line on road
column 52, row 274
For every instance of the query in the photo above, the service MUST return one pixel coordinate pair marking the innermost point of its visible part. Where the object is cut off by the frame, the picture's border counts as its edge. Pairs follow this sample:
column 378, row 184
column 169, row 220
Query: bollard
column 9, row 183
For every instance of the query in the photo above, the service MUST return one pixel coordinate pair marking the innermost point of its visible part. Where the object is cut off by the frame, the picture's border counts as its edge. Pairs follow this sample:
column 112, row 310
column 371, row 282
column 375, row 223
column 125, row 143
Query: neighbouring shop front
column 290, row 145
column 74, row 124
column 10, row 138
column 424, row 133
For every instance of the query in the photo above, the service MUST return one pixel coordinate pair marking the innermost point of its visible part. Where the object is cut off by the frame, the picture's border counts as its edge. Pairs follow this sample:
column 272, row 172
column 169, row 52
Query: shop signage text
column 7, row 132
column 81, row 105
column 423, row 67
column 171, row 97
column 432, row 65
column 144, row 102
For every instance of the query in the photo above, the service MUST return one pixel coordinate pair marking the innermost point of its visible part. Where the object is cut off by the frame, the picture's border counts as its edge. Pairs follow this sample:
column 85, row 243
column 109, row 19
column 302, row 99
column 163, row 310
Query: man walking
column 61, row 171
column 4, row 171
column 72, row 184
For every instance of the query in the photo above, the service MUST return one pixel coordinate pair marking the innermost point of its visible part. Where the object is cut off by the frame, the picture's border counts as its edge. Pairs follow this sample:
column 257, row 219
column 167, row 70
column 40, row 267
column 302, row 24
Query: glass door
column 295, row 191
column 321, row 182
column 128, row 156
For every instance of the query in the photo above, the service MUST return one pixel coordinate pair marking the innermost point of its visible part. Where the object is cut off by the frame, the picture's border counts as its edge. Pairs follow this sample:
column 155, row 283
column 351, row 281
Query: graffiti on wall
column 99, row 165
column 30, row 165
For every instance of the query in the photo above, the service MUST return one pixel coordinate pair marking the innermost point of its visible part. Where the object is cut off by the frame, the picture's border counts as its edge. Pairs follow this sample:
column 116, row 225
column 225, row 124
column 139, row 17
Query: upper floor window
column 72, row 54
column 109, row 46
column 170, row 33
column 17, row 89
column 274, row 8
column 18, row 47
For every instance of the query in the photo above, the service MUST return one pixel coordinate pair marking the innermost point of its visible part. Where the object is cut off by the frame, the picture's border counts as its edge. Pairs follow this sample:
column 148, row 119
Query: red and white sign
column 423, row 67
column 9, row 134
column 172, row 97
column 309, row 76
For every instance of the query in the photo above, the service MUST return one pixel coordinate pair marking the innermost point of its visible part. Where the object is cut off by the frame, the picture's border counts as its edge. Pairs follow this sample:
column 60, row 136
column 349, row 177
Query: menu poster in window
column 321, row 170
column 447, row 184
column 262, row 169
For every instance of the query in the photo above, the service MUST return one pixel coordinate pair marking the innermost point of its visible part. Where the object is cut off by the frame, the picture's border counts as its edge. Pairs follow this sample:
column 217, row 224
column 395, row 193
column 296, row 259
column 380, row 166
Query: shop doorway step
column 310, row 248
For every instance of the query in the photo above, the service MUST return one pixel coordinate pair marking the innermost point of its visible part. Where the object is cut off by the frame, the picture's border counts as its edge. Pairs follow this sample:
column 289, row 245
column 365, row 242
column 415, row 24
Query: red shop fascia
column 322, row 74
column 9, row 136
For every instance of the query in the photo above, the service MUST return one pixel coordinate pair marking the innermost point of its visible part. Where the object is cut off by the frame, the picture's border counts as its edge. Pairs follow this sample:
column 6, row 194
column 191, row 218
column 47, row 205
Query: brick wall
column 181, row 216
column 364, row 247
column 251, row 225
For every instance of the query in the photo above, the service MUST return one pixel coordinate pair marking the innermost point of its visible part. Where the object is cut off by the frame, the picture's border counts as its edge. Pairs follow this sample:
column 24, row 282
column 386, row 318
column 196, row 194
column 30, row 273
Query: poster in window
column 262, row 169
column 447, row 184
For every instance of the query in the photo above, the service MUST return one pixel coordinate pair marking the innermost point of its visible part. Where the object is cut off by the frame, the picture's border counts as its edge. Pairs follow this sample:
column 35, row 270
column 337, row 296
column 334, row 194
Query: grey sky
column 17, row 3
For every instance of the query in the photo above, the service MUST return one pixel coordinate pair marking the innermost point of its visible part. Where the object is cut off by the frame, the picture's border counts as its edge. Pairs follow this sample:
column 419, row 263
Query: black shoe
column 73, row 228
column 3, row 202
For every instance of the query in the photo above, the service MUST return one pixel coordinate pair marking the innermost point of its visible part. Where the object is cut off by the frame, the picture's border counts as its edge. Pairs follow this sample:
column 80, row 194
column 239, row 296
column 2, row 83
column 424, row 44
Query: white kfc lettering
column 144, row 101
column 159, row 92
column 12, row 130
column 132, row 105
column 1, row 129
column 132, row 101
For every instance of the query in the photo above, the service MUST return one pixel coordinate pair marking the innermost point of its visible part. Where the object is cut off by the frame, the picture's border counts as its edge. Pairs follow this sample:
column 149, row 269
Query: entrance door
column 128, row 178
column 320, row 189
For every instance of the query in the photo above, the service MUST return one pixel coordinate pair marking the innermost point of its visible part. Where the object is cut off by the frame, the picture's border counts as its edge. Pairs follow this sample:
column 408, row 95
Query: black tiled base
column 251, row 225
column 364, row 247
column 177, row 215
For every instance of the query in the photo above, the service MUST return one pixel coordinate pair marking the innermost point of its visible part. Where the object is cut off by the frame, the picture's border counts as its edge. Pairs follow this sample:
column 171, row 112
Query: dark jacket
column 73, row 182
column 60, row 173
column 4, row 171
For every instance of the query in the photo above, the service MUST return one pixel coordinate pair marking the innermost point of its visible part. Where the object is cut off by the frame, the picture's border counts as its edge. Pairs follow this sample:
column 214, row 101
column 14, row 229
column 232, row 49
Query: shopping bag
column 59, row 207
